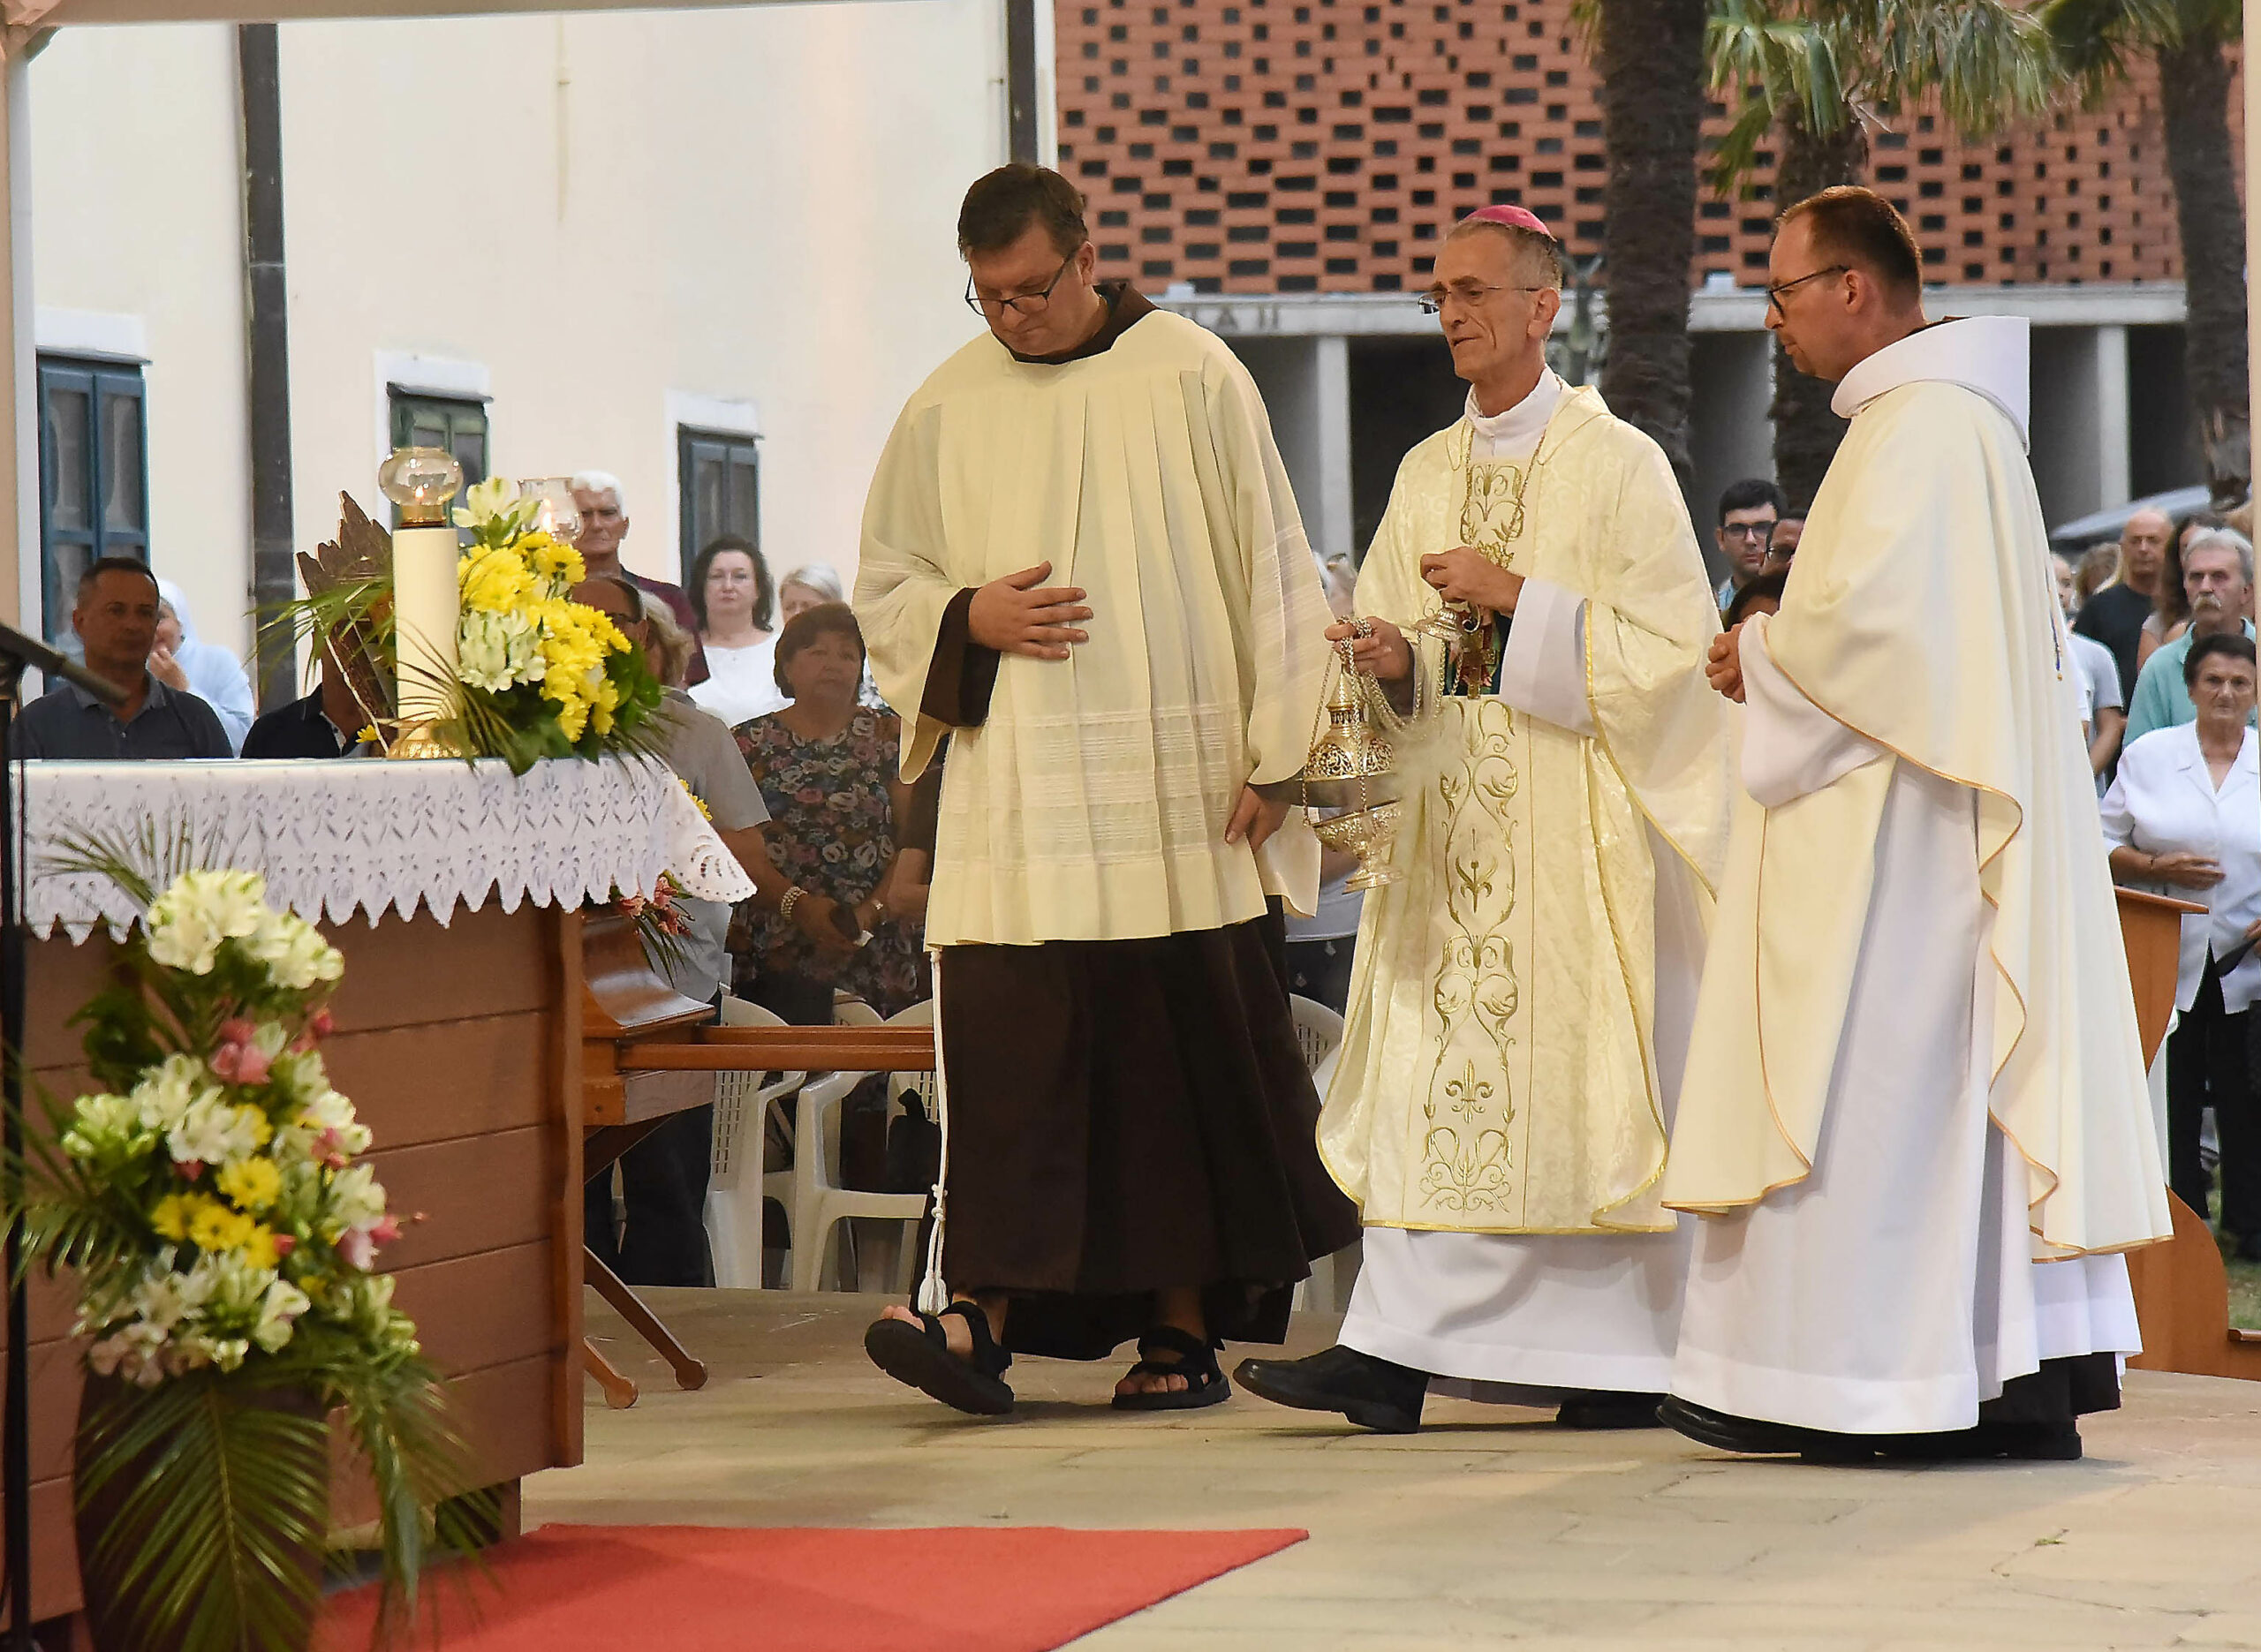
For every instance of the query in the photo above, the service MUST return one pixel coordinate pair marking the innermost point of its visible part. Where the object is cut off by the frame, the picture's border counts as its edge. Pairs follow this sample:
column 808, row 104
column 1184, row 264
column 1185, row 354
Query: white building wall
column 602, row 217
column 138, row 218
column 753, row 206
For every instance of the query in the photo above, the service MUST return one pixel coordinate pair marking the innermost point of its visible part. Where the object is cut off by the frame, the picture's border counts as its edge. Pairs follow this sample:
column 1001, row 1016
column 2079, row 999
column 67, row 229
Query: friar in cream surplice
column 1521, row 995
column 1128, row 1117
column 1914, row 1109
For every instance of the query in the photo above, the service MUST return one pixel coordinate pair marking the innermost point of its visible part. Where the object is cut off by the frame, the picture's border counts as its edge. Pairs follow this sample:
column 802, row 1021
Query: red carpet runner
column 696, row 1589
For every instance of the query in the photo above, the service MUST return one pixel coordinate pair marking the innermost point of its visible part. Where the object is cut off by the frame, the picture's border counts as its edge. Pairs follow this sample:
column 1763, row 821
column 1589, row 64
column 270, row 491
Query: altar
column 455, row 892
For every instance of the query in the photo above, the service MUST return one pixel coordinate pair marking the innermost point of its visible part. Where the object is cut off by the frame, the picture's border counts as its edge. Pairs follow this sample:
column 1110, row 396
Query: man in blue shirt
column 2218, row 577
column 117, row 622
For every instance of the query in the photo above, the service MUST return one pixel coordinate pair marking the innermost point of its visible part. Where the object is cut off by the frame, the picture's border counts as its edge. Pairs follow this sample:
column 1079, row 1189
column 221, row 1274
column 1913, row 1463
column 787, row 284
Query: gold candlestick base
column 422, row 741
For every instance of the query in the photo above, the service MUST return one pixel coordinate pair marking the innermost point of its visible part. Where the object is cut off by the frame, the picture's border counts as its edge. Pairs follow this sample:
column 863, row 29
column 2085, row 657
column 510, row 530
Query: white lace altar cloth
column 370, row 836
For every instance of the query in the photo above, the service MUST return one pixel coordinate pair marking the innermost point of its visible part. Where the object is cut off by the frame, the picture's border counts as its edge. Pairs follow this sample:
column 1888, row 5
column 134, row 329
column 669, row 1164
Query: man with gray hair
column 603, row 505
column 1520, row 995
column 2218, row 578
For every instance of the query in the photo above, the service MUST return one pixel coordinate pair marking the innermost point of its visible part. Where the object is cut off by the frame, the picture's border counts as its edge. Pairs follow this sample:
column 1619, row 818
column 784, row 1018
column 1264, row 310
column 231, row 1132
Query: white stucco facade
column 609, row 224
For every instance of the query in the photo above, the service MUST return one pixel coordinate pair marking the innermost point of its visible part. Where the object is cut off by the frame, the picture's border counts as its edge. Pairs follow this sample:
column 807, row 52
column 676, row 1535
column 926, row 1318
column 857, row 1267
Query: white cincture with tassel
column 934, row 1295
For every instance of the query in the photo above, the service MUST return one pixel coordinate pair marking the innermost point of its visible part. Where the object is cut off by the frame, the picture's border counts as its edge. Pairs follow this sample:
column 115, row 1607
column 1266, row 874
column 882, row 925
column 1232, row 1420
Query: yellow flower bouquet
column 537, row 674
column 208, row 1199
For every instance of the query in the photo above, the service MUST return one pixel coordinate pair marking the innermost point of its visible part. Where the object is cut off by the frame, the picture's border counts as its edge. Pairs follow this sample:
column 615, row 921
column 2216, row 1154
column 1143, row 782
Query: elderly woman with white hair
column 811, row 585
column 807, row 586
column 184, row 662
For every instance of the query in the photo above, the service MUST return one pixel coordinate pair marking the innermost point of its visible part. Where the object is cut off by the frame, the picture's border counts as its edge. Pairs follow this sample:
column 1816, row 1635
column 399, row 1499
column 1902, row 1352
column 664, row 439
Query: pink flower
column 319, row 1026
column 240, row 1060
column 188, row 1169
column 359, row 1244
column 285, row 1243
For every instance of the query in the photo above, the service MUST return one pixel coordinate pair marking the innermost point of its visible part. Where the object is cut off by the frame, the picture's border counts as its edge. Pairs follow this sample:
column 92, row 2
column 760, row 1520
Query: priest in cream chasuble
column 1520, row 996
column 1081, row 554
column 1914, row 1111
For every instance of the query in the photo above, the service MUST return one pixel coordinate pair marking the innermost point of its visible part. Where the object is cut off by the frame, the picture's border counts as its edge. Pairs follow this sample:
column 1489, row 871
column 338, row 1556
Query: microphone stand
column 16, row 651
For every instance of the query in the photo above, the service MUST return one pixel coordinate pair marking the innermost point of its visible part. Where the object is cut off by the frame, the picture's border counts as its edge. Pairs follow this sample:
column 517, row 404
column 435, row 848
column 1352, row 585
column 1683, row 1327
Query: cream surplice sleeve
column 902, row 588
column 1285, row 650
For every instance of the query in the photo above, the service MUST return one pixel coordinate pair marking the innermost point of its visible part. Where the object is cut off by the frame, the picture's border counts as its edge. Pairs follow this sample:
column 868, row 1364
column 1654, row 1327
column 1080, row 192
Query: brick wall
column 1277, row 146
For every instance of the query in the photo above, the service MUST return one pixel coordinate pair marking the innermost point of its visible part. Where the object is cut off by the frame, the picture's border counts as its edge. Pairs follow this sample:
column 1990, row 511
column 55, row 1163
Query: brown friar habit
column 1123, row 1115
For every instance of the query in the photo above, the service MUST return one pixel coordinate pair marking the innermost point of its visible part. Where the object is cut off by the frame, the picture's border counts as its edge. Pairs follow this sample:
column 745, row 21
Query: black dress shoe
column 1370, row 1391
column 1606, row 1410
column 1754, row 1439
column 2017, row 1442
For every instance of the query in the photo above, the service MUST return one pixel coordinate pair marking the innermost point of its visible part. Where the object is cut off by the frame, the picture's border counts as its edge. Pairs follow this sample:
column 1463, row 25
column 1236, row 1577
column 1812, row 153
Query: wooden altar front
column 461, row 1048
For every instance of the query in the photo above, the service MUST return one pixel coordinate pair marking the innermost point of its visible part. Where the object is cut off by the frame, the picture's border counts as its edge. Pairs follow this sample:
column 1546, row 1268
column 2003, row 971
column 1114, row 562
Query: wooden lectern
column 2181, row 1290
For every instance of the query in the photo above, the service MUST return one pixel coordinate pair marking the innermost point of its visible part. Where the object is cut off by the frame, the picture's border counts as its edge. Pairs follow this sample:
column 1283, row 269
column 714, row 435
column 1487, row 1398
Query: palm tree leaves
column 2097, row 40
column 201, row 1503
column 1827, row 64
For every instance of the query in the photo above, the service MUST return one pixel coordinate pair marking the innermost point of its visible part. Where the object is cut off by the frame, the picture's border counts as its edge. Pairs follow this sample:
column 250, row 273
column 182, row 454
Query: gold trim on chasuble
column 1469, row 1161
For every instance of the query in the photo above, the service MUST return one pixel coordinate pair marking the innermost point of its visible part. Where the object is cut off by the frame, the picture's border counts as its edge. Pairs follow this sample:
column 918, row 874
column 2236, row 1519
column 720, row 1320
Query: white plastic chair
column 1319, row 1029
column 735, row 1183
column 817, row 1201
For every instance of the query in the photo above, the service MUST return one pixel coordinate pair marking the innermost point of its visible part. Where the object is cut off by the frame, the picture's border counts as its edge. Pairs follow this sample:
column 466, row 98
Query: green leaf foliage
column 1828, row 63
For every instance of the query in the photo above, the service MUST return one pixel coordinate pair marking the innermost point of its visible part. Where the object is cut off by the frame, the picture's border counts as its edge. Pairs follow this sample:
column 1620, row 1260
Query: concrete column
column 2113, row 443
column 1306, row 384
column 1326, row 497
column 2079, row 423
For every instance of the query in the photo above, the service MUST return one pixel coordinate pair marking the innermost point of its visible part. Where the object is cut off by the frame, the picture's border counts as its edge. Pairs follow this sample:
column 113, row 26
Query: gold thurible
column 1351, row 772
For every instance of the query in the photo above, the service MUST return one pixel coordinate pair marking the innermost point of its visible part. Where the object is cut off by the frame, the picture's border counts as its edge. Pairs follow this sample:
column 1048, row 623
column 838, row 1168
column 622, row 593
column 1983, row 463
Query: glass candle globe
column 420, row 481
column 558, row 516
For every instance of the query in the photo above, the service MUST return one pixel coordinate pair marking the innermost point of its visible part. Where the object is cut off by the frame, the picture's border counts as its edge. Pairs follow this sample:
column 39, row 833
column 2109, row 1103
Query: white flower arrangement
column 231, row 1147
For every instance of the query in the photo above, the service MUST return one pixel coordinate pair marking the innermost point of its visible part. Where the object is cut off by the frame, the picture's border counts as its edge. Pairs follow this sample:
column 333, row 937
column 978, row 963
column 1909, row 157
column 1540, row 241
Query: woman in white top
column 2184, row 818
column 182, row 661
column 736, row 603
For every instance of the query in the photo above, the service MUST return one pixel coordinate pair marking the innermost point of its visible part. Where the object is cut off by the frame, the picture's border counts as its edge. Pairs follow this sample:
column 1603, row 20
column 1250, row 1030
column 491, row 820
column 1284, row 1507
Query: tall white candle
column 426, row 608
column 427, row 599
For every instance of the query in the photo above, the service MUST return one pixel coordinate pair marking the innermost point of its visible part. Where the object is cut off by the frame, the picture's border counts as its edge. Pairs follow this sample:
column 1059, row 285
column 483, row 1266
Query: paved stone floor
column 1488, row 1527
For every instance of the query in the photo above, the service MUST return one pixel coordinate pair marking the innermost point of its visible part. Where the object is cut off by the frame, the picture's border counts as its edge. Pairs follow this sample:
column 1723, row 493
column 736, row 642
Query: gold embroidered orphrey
column 1467, row 1157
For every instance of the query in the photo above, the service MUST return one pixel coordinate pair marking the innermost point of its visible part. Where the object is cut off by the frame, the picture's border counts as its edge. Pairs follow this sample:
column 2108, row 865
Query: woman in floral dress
column 827, row 768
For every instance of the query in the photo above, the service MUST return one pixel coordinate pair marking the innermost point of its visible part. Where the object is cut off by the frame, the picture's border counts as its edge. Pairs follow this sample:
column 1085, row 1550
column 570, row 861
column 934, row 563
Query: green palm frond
column 1829, row 63
column 217, row 1489
column 1987, row 62
column 2096, row 41
column 141, row 861
column 397, row 1417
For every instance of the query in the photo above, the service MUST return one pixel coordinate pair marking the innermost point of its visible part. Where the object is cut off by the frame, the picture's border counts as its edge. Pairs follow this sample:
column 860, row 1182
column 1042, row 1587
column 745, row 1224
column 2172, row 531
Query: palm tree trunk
column 2197, row 75
column 1806, row 432
column 1652, row 107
